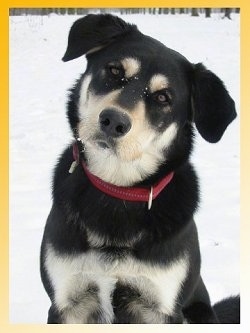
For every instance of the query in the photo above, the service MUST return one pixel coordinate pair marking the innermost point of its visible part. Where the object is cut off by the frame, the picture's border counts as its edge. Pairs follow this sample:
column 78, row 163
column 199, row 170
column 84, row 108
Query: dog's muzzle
column 114, row 123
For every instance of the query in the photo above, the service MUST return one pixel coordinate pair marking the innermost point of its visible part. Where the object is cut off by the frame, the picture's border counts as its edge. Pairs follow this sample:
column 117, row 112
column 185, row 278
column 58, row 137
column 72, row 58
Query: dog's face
column 130, row 108
column 137, row 98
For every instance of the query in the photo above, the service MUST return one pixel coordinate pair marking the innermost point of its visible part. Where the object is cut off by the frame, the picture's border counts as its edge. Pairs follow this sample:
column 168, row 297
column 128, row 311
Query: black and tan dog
column 120, row 244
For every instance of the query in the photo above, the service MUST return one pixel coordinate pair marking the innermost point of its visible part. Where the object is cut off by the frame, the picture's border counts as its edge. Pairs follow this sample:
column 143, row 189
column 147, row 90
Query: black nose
column 114, row 123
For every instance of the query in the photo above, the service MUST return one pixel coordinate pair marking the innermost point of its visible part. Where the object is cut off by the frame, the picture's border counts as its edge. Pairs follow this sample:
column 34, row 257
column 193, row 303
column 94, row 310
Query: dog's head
column 135, row 105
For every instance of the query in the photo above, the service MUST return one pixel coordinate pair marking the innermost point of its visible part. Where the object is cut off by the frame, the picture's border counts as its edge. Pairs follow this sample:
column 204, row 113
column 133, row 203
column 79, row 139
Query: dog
column 120, row 244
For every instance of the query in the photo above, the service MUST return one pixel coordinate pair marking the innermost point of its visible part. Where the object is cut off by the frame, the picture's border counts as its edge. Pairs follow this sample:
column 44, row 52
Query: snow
column 39, row 131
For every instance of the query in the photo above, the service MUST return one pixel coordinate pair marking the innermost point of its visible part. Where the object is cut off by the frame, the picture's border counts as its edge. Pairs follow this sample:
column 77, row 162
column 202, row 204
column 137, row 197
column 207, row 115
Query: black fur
column 212, row 105
column 95, row 31
column 228, row 310
column 167, row 230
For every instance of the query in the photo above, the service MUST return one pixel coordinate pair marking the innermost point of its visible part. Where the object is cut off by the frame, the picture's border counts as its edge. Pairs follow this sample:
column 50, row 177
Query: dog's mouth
column 103, row 144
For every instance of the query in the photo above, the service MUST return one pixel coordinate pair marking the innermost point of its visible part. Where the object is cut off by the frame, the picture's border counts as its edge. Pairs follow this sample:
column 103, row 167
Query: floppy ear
column 93, row 32
column 213, row 108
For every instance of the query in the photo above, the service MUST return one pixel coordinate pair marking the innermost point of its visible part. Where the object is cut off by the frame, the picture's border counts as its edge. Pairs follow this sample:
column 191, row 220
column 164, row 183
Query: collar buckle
column 150, row 198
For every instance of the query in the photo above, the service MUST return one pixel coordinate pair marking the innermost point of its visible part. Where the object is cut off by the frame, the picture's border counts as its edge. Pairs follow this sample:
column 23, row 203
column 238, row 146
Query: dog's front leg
column 53, row 316
column 84, row 299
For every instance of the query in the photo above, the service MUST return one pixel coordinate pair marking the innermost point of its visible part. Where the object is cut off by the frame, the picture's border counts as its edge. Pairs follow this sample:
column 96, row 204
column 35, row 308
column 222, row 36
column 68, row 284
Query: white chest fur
column 84, row 283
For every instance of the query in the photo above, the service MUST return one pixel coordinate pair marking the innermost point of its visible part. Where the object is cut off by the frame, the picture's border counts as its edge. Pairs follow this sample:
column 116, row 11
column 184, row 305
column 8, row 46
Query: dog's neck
column 136, row 194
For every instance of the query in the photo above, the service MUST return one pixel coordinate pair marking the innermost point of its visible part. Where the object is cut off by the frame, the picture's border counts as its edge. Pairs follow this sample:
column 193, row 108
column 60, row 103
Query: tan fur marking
column 158, row 82
column 131, row 147
column 131, row 67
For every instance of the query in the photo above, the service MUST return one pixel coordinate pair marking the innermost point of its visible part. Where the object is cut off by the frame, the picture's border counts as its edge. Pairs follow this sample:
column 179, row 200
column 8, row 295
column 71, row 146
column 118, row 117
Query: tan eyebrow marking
column 158, row 82
column 131, row 66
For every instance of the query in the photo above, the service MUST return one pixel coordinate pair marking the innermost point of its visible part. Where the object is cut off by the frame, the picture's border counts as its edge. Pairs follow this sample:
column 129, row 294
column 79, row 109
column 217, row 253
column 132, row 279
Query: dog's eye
column 162, row 97
column 116, row 71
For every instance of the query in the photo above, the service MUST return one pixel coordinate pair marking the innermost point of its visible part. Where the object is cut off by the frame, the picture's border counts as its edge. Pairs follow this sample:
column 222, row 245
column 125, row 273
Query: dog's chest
column 91, row 282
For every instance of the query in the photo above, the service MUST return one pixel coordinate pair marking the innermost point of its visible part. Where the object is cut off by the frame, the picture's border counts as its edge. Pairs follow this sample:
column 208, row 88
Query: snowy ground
column 39, row 131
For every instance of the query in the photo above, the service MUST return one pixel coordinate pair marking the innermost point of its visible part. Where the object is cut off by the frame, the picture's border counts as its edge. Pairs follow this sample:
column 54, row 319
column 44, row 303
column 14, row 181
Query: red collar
column 126, row 193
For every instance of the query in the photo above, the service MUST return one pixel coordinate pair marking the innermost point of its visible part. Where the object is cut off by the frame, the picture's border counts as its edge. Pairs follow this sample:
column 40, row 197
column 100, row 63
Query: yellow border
column 5, row 327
